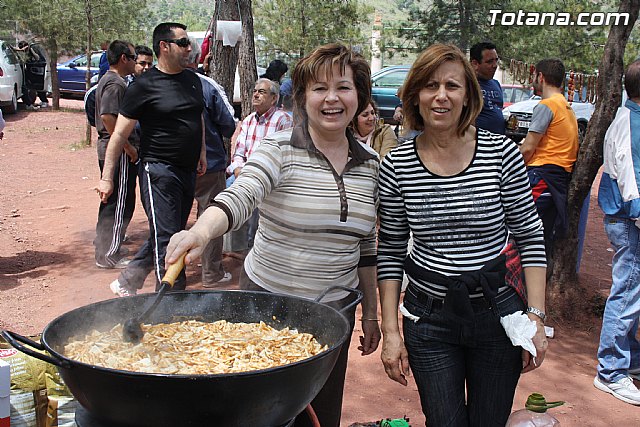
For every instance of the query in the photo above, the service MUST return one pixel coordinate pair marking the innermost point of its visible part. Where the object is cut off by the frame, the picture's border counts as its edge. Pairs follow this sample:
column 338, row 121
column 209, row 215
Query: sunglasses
column 183, row 42
column 129, row 56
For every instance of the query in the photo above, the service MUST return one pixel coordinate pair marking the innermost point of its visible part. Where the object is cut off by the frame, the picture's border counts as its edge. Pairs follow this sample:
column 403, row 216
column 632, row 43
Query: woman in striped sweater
column 459, row 191
column 316, row 188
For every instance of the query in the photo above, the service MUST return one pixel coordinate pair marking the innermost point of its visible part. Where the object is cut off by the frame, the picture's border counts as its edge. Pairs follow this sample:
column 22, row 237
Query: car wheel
column 582, row 130
column 13, row 107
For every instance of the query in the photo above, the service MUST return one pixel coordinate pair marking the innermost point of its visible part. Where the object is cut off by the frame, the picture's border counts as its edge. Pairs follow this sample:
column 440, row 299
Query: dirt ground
column 48, row 210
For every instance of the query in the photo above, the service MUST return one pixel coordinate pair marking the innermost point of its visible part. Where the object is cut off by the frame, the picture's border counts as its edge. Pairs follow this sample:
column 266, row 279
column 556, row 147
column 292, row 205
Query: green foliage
column 290, row 29
column 465, row 22
column 65, row 21
column 195, row 14
column 447, row 21
column 579, row 47
column 57, row 19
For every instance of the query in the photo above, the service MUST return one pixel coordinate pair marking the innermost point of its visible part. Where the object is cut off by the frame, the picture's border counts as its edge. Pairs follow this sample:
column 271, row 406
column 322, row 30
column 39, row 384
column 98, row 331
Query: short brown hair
column 632, row 80
column 322, row 60
column 553, row 71
column 420, row 73
column 354, row 122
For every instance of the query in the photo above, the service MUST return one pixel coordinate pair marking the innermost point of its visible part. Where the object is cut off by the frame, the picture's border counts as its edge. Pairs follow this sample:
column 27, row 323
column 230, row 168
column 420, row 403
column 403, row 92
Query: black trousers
column 115, row 215
column 328, row 403
column 167, row 196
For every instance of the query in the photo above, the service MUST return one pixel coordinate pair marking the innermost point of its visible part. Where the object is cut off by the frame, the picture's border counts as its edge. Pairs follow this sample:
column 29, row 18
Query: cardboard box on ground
column 38, row 397
column 5, row 389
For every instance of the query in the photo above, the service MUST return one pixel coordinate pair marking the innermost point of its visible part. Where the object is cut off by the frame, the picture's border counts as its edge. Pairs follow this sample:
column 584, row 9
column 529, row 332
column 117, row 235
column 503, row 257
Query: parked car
column 518, row 117
column 515, row 93
column 72, row 73
column 384, row 89
column 11, row 78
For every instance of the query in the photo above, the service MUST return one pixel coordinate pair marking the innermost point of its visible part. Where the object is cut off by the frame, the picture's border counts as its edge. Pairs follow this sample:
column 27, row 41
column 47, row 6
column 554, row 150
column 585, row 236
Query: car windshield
column 95, row 60
column 517, row 94
column 11, row 56
column 392, row 79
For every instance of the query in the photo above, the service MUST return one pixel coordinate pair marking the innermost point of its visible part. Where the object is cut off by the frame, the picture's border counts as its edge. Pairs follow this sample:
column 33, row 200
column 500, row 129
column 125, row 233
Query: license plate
column 522, row 124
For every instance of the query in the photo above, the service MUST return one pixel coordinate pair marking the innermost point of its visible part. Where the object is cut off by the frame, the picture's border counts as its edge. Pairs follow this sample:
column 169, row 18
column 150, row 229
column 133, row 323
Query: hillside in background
column 197, row 13
column 395, row 11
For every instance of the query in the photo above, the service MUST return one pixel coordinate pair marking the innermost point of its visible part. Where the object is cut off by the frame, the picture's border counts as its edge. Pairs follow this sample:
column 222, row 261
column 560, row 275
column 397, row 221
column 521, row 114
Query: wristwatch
column 537, row 312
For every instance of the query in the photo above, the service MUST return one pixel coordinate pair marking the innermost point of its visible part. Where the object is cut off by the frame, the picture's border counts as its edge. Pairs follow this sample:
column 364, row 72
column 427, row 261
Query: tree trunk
column 303, row 29
column 463, row 10
column 224, row 58
column 563, row 285
column 247, row 58
column 52, row 45
column 87, row 76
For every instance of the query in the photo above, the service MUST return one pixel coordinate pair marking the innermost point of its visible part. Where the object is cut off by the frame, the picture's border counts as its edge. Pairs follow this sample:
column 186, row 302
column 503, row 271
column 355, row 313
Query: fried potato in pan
column 195, row 348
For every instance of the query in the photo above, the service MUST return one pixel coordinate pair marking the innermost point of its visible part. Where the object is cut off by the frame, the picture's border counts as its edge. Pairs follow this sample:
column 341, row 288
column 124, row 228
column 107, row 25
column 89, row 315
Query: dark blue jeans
column 445, row 356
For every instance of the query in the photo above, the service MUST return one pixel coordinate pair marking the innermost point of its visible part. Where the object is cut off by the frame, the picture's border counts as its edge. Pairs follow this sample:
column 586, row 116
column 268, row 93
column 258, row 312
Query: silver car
column 11, row 77
column 518, row 117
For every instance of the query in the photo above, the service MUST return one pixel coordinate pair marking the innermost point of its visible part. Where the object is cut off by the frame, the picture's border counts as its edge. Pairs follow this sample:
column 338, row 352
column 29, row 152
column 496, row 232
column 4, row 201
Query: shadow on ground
column 27, row 264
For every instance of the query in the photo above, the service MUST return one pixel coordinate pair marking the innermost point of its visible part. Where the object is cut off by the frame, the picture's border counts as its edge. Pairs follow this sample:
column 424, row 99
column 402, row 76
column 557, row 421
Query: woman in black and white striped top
column 459, row 191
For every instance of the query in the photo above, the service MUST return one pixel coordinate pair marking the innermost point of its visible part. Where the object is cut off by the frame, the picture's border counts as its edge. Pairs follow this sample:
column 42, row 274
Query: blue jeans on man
column 619, row 349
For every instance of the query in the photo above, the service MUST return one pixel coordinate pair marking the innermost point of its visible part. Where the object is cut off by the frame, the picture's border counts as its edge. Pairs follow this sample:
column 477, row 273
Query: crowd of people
column 325, row 195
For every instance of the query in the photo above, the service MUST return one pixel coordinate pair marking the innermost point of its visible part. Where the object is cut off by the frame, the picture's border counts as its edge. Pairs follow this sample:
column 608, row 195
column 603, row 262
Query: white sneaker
column 120, row 290
column 44, row 105
column 32, row 107
column 623, row 389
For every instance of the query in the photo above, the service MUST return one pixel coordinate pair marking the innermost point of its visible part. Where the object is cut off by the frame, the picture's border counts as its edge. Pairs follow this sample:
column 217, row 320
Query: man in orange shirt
column 550, row 149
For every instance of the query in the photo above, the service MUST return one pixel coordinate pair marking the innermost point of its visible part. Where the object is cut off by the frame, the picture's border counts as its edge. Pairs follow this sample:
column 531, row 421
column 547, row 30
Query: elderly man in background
column 218, row 122
column 265, row 120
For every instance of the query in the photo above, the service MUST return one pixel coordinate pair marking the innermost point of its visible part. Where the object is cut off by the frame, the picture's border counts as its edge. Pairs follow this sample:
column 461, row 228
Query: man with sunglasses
column 115, row 214
column 167, row 102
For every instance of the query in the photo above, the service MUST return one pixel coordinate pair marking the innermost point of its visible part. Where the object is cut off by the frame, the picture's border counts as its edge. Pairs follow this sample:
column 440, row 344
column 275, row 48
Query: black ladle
column 132, row 329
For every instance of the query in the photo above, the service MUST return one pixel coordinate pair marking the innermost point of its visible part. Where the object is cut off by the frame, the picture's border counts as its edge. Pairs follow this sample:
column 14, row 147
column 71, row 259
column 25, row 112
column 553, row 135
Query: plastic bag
column 527, row 418
column 534, row 414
